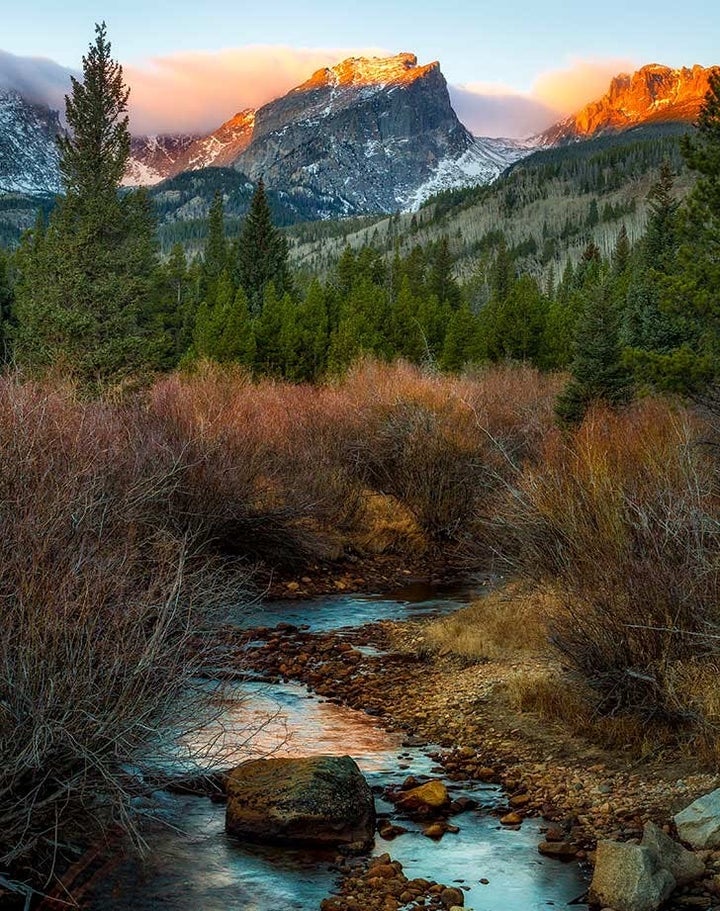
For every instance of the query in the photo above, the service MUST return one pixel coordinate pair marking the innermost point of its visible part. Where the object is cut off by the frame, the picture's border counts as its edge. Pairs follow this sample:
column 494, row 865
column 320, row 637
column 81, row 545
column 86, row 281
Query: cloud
column 571, row 88
column 35, row 78
column 197, row 91
column 500, row 113
column 489, row 109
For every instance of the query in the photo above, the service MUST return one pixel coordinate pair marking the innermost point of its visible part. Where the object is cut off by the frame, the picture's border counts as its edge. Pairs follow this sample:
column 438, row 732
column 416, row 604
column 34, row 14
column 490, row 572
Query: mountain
column 367, row 135
column 157, row 158
column 28, row 151
column 653, row 94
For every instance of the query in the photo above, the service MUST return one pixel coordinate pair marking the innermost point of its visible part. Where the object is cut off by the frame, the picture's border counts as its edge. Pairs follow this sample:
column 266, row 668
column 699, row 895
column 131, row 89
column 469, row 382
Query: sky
column 510, row 65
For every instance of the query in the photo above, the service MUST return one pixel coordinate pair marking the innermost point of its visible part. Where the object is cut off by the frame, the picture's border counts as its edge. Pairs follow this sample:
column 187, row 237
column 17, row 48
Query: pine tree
column 699, row 257
column 598, row 372
column 261, row 254
column 215, row 255
column 7, row 298
column 313, row 335
column 86, row 284
column 462, row 343
column 661, row 239
column 276, row 333
column 236, row 341
column 502, row 273
column 440, row 281
column 404, row 330
column 621, row 253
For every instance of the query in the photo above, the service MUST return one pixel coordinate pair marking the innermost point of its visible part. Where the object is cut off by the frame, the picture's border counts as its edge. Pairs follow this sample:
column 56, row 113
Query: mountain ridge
column 653, row 93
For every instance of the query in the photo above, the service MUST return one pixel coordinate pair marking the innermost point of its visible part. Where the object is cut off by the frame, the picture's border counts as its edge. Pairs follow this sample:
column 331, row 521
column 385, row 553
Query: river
column 192, row 864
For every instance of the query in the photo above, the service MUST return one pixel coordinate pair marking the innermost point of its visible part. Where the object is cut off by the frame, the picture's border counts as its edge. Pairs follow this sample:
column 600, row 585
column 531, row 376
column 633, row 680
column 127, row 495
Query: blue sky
column 513, row 66
column 510, row 42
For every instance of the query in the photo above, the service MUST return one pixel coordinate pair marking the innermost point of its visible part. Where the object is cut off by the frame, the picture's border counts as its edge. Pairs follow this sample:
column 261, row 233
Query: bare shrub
column 99, row 632
column 260, row 479
column 619, row 518
column 441, row 445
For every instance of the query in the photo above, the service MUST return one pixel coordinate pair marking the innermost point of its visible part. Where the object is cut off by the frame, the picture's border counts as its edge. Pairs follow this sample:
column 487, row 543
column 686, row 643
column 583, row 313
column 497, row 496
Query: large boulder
column 318, row 801
column 699, row 824
column 629, row 878
column 684, row 865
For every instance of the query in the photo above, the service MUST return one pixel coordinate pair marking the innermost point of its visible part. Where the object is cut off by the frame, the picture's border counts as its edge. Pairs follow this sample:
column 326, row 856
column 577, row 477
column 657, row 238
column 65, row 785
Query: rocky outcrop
column 319, row 801
column 653, row 94
column 684, row 866
column 699, row 824
column 629, row 877
column 157, row 158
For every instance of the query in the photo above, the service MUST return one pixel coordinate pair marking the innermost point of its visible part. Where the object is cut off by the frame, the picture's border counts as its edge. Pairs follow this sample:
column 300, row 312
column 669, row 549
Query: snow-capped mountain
column 652, row 94
column 28, row 151
column 367, row 135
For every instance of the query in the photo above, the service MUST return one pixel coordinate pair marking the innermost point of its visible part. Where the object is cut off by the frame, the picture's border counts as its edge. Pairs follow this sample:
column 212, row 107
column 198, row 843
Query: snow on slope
column 482, row 163
column 28, row 151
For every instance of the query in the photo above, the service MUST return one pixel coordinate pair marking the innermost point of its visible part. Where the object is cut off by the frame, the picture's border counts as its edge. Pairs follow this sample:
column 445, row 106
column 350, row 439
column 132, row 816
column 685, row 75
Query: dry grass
column 505, row 624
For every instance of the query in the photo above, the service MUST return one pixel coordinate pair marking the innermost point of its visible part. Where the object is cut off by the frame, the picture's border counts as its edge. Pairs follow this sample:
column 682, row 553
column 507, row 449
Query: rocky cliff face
column 28, row 151
column 652, row 94
column 367, row 133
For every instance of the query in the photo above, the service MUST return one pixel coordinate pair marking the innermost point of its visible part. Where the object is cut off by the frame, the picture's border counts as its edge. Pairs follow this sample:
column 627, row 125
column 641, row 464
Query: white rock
column 699, row 824
column 629, row 878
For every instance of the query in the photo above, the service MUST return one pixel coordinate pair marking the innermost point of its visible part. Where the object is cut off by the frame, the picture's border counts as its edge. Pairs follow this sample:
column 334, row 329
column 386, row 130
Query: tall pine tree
column 261, row 254
column 86, row 285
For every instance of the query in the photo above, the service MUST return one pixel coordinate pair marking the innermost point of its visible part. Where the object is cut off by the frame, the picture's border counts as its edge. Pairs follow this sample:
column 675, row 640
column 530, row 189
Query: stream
column 192, row 865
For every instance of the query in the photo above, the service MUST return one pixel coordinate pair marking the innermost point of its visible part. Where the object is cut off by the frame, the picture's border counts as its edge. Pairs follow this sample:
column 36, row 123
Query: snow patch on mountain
column 482, row 163
column 29, row 161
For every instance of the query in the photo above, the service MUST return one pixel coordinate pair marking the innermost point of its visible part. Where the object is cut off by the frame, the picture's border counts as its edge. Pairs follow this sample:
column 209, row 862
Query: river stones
column 316, row 801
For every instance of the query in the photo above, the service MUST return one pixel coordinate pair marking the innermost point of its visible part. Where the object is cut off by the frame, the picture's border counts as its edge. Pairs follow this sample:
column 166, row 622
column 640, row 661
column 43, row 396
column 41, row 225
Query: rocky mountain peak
column 401, row 69
column 651, row 94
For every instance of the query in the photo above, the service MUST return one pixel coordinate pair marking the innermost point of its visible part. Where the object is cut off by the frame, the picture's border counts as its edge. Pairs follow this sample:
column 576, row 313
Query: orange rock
column 511, row 819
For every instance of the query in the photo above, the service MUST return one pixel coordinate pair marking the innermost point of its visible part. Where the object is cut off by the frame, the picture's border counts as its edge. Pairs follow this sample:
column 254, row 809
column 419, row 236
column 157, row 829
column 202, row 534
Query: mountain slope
column 28, row 151
column 546, row 208
column 653, row 94
column 157, row 158
column 368, row 135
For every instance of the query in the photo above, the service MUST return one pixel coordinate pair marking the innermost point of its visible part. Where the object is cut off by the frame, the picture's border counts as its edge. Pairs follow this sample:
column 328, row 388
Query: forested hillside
column 546, row 208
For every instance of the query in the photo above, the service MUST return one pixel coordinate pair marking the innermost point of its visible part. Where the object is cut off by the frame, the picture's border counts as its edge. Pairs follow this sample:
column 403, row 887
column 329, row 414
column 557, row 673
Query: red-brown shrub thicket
column 98, row 616
column 443, row 445
column 620, row 519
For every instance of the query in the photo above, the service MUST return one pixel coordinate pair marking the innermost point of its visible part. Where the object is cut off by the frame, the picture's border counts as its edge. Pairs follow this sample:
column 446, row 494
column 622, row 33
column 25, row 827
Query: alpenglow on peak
column 367, row 71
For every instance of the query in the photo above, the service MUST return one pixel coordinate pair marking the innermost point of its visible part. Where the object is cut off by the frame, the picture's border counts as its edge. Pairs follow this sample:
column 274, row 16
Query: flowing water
column 194, row 865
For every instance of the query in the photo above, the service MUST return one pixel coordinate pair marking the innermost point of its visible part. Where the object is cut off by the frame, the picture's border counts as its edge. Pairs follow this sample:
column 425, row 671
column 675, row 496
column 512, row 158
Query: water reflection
column 193, row 864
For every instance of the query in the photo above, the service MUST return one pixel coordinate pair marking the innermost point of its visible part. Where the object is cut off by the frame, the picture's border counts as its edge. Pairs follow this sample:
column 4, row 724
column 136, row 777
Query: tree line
column 88, row 293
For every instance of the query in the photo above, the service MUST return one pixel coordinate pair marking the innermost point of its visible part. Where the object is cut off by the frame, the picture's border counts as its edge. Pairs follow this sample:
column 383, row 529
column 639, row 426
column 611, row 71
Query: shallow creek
column 193, row 865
